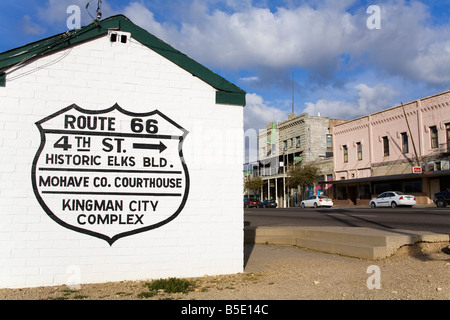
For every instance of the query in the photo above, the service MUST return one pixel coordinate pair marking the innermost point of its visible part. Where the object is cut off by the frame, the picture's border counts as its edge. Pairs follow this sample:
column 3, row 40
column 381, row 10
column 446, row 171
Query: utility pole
column 410, row 134
column 293, row 92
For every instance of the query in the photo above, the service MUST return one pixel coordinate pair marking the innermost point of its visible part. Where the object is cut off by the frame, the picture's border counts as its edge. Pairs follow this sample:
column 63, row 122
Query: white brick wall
column 207, row 236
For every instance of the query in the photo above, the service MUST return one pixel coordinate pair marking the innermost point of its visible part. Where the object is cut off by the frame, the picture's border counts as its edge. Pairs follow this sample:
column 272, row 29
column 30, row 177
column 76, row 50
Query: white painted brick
column 72, row 66
column 87, row 60
column 157, row 82
column 104, row 55
column 204, row 238
column 101, row 69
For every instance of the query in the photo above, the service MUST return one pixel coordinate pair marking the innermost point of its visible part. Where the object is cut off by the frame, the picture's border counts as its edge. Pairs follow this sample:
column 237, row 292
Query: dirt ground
column 419, row 272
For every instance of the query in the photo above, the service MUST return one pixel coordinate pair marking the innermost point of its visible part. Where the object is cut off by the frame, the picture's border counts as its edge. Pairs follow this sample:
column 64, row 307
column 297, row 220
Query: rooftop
column 227, row 92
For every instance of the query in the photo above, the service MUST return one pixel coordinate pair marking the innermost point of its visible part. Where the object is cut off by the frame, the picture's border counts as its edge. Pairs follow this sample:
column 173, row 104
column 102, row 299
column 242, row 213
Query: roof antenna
column 293, row 84
column 99, row 12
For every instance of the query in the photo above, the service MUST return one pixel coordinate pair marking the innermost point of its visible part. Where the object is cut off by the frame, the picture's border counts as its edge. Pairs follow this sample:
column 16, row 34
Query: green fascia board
column 2, row 79
column 227, row 92
column 231, row 98
column 49, row 45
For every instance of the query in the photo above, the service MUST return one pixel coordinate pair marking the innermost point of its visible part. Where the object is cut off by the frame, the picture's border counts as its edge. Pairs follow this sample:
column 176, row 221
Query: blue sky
column 342, row 69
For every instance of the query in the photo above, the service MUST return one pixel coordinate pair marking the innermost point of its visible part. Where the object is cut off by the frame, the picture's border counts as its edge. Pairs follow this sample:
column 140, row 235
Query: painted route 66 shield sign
column 110, row 173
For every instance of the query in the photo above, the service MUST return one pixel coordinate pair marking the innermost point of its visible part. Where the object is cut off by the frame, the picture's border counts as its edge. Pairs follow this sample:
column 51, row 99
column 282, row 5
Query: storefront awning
column 427, row 174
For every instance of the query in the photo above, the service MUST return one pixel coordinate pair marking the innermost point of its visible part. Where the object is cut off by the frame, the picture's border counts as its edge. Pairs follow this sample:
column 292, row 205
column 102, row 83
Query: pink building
column 404, row 148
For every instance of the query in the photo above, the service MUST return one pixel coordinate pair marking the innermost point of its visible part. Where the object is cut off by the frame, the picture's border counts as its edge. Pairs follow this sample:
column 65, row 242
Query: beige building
column 404, row 148
column 298, row 140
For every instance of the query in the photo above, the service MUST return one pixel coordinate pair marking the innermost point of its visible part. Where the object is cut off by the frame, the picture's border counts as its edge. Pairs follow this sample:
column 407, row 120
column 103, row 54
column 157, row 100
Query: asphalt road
column 418, row 219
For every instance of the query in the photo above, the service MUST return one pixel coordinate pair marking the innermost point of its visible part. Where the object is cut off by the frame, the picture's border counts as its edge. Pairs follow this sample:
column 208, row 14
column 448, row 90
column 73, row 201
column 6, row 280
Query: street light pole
column 410, row 134
column 284, row 181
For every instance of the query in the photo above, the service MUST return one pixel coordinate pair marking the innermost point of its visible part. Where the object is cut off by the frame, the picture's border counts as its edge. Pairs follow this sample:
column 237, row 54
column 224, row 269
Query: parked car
column 442, row 199
column 316, row 201
column 250, row 203
column 393, row 199
column 267, row 204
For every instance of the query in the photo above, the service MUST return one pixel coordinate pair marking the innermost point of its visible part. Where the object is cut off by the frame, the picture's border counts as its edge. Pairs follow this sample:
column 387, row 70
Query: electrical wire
column 42, row 50
column 38, row 68
column 98, row 11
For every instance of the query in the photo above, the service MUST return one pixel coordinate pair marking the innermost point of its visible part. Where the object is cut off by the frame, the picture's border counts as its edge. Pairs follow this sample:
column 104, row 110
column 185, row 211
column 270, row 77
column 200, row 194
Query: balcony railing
column 269, row 171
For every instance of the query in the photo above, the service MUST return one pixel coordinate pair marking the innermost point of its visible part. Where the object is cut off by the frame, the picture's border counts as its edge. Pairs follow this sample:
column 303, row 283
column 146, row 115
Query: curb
column 364, row 243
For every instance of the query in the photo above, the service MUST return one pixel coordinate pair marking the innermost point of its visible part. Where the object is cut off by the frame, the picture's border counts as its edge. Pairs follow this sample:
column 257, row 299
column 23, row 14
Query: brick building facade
column 405, row 148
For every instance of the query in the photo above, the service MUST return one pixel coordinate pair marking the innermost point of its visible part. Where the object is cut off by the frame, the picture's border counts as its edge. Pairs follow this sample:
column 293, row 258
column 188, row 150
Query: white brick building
column 110, row 147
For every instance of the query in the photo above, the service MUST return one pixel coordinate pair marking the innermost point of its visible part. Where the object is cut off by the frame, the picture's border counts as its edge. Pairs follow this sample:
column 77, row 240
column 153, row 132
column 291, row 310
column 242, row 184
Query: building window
column 405, row 143
column 298, row 142
column 407, row 186
column 386, row 146
column 359, row 150
column 329, row 143
column 447, row 126
column 434, row 137
column 285, row 145
column 345, row 153
column 292, row 142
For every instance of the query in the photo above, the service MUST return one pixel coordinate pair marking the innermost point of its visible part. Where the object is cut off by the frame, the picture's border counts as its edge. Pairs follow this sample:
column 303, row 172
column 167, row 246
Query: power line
column 98, row 11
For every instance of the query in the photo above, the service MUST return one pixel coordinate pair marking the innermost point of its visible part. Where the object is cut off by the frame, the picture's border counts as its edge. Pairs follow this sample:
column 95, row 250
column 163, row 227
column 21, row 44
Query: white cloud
column 408, row 45
column 315, row 35
column 302, row 37
column 257, row 113
column 249, row 79
column 433, row 63
column 29, row 27
column 368, row 100
column 144, row 18
column 372, row 99
column 55, row 11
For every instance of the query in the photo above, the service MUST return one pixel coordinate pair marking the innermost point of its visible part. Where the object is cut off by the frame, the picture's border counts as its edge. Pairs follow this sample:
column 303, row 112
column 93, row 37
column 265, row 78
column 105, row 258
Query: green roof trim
column 227, row 92
column 232, row 98
column 2, row 79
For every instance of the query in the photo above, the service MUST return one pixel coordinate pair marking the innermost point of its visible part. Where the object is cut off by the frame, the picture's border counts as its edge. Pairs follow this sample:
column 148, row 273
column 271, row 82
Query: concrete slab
column 365, row 243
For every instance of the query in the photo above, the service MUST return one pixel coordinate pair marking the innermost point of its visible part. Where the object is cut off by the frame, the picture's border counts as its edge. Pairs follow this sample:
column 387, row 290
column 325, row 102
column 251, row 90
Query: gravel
column 418, row 272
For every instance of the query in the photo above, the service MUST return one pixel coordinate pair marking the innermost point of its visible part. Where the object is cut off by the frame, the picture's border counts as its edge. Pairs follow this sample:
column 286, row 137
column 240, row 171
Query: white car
column 393, row 199
column 317, row 201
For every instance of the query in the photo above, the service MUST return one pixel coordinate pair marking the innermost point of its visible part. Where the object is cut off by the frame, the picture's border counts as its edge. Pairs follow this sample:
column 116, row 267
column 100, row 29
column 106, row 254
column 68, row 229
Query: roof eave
column 227, row 93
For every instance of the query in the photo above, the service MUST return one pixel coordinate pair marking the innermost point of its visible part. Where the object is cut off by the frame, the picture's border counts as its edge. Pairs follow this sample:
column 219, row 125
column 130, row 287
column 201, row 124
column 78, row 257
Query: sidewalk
column 358, row 242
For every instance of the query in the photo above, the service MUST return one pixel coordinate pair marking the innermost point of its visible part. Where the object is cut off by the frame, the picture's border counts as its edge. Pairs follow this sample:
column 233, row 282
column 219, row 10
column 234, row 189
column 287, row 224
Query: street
column 421, row 218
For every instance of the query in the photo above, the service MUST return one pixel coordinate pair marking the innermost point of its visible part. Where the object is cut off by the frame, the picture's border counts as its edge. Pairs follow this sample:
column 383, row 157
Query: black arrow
column 147, row 146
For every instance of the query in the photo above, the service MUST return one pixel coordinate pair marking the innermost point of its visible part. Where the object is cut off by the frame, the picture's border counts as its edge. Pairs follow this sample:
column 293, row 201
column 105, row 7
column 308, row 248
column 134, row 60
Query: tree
column 302, row 176
column 253, row 184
